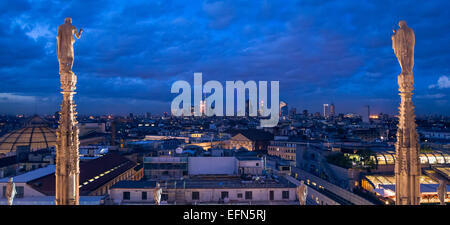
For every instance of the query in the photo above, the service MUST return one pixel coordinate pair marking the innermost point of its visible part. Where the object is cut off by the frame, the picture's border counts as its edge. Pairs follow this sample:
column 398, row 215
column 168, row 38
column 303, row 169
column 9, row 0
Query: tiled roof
column 93, row 174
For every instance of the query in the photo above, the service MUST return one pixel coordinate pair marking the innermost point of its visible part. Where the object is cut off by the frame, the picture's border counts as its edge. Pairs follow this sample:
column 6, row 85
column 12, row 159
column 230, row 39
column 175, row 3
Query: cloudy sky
column 131, row 52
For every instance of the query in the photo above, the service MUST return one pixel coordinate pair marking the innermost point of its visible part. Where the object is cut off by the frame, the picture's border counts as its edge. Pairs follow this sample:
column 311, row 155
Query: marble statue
column 407, row 163
column 10, row 191
column 64, row 44
column 157, row 194
column 302, row 192
column 403, row 41
column 442, row 191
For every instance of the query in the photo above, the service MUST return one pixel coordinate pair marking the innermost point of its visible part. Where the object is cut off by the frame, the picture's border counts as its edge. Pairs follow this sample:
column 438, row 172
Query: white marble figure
column 442, row 191
column 64, row 44
column 403, row 41
column 302, row 192
column 157, row 194
column 10, row 191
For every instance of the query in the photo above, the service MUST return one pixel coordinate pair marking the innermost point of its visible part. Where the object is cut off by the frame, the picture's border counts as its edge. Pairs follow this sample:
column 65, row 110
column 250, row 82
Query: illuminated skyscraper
column 332, row 109
column 326, row 110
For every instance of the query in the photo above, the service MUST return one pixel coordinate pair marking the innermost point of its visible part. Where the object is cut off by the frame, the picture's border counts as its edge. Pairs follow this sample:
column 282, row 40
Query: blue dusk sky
column 132, row 51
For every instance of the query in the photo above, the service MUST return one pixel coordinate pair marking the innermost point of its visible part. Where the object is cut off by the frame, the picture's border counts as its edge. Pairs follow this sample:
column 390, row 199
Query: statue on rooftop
column 10, row 191
column 64, row 44
column 403, row 41
column 157, row 194
column 302, row 192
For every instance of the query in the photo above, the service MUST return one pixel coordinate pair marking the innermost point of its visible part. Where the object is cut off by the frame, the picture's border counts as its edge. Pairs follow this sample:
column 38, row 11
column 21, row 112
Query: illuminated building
column 332, row 110
column 96, row 177
column 326, row 110
column 284, row 148
column 250, row 139
column 384, row 187
column 206, row 190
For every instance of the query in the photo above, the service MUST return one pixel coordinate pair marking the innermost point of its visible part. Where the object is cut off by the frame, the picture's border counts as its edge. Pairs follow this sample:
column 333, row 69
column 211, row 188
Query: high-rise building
column 366, row 115
column 326, row 110
column 202, row 107
column 332, row 109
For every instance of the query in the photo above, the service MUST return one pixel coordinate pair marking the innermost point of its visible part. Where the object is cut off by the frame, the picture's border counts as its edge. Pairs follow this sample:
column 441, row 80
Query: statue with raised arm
column 157, row 194
column 10, row 191
column 403, row 41
column 302, row 192
column 442, row 191
column 64, row 44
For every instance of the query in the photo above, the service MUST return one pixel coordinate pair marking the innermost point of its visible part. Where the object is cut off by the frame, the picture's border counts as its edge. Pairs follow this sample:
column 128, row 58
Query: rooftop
column 208, row 183
column 50, row 200
column 93, row 174
column 29, row 176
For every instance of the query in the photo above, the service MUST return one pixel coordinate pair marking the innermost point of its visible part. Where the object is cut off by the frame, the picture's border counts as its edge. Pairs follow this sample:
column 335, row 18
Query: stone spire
column 67, row 156
column 407, row 163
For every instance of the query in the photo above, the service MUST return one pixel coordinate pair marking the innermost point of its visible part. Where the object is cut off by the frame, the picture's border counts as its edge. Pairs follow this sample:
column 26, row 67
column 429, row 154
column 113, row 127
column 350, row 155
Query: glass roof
column 436, row 157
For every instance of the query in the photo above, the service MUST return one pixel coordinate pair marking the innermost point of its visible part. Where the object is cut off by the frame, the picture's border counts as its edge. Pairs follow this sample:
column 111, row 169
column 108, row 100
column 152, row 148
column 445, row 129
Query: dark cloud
column 132, row 51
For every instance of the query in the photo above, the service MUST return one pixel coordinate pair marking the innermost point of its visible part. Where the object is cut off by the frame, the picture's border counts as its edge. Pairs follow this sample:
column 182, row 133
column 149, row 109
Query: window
column 126, row 195
column 195, row 195
column 285, row 194
column 19, row 192
column 239, row 195
column 224, row 194
column 144, row 195
column 164, row 197
column 248, row 195
column 257, row 164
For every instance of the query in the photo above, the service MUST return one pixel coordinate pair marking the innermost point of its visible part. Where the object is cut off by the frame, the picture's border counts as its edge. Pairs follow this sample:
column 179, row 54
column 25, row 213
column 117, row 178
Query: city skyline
column 131, row 53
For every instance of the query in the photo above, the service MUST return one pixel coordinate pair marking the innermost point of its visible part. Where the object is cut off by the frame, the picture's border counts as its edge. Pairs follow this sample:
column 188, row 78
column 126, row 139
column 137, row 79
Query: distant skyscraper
column 332, row 109
column 202, row 107
column 148, row 115
column 131, row 116
column 366, row 115
column 326, row 110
